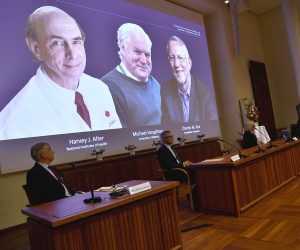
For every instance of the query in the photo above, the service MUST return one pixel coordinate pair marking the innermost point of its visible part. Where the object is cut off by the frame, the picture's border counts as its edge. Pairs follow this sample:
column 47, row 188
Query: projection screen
column 140, row 118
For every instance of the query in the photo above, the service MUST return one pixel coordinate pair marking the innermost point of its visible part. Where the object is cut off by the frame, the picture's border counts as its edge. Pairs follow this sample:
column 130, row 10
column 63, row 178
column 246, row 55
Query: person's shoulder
column 247, row 132
column 111, row 76
column 161, row 148
column 170, row 82
column 199, row 86
column 34, row 170
column 28, row 91
column 198, row 82
column 116, row 81
column 169, row 86
column 26, row 99
column 153, row 80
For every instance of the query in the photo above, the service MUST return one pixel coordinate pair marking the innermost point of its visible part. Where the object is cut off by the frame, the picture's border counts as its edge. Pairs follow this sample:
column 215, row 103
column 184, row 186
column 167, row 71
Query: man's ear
column 42, row 154
column 34, row 48
column 191, row 62
column 121, row 52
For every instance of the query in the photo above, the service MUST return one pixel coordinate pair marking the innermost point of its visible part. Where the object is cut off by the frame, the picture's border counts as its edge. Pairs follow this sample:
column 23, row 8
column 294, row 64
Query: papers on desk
column 109, row 188
column 213, row 160
column 262, row 134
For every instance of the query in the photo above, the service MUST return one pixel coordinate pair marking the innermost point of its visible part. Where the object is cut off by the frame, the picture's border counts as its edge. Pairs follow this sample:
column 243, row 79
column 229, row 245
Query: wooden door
column 262, row 97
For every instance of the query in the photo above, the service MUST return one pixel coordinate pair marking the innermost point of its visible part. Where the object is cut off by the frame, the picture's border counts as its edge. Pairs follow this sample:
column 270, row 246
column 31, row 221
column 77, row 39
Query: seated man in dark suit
column 168, row 158
column 249, row 138
column 45, row 184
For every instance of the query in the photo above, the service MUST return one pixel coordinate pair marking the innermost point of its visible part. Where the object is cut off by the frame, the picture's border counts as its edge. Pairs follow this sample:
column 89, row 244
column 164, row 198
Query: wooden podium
column 147, row 220
column 229, row 188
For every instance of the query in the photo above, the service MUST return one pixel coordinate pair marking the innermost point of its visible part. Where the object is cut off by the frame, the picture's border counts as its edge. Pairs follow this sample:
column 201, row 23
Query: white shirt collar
column 46, row 167
column 188, row 90
column 54, row 85
column 167, row 145
column 122, row 69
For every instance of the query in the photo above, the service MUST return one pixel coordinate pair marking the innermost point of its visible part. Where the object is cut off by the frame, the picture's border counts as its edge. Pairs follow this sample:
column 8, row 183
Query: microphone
column 271, row 145
column 235, row 147
column 93, row 198
column 260, row 150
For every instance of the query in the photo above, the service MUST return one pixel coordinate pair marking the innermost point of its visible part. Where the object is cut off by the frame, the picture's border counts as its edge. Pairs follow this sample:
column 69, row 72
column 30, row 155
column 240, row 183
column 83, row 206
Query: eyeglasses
column 168, row 136
column 178, row 58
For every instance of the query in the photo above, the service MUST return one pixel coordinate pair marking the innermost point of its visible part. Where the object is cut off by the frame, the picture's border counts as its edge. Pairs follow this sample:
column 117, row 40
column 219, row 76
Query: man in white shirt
column 60, row 93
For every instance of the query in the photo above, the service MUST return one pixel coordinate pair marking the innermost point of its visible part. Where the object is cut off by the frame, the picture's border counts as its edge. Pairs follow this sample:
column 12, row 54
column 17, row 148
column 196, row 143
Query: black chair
column 25, row 187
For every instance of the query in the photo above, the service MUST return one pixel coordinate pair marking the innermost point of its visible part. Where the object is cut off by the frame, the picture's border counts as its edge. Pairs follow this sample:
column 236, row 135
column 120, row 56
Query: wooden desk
column 147, row 220
column 143, row 165
column 231, row 187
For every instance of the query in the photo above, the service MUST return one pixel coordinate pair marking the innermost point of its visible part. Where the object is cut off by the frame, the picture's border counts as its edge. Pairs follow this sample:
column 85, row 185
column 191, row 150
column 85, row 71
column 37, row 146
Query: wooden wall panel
column 147, row 167
column 219, row 198
column 231, row 187
column 89, row 174
column 151, row 223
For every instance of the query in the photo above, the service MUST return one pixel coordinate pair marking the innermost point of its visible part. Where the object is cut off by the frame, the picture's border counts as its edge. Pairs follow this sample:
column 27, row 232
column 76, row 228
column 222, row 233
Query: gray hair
column 162, row 135
column 40, row 14
column 124, row 34
column 36, row 149
column 178, row 40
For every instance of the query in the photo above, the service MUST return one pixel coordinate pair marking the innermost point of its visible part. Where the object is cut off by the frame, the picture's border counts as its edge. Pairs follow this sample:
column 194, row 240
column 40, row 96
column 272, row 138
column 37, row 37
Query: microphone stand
column 93, row 199
column 271, row 145
column 239, row 151
column 260, row 150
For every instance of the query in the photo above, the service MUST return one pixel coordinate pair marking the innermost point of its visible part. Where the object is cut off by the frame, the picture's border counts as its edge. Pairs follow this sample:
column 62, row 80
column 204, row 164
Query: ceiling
column 257, row 7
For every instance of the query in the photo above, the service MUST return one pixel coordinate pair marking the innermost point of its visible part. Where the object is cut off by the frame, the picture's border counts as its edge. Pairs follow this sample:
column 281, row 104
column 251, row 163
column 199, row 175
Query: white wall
column 13, row 199
column 251, row 49
column 279, row 66
column 221, row 49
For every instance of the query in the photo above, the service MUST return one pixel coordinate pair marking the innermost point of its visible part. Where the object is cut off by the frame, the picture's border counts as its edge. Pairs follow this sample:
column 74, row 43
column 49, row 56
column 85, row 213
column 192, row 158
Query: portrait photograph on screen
column 84, row 75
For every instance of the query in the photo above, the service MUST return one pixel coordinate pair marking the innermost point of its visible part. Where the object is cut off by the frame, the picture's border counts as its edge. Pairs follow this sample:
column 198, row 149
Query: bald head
column 40, row 17
column 57, row 42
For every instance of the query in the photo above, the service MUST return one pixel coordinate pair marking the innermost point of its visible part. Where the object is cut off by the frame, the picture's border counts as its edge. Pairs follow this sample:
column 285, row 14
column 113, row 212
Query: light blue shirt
column 185, row 102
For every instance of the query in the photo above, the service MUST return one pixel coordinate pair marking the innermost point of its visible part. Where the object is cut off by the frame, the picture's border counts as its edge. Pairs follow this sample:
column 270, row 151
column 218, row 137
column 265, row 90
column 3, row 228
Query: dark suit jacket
column 249, row 140
column 43, row 187
column 166, row 159
column 202, row 105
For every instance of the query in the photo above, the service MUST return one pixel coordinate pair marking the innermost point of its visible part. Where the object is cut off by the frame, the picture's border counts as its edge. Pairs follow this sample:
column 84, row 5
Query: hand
column 187, row 164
